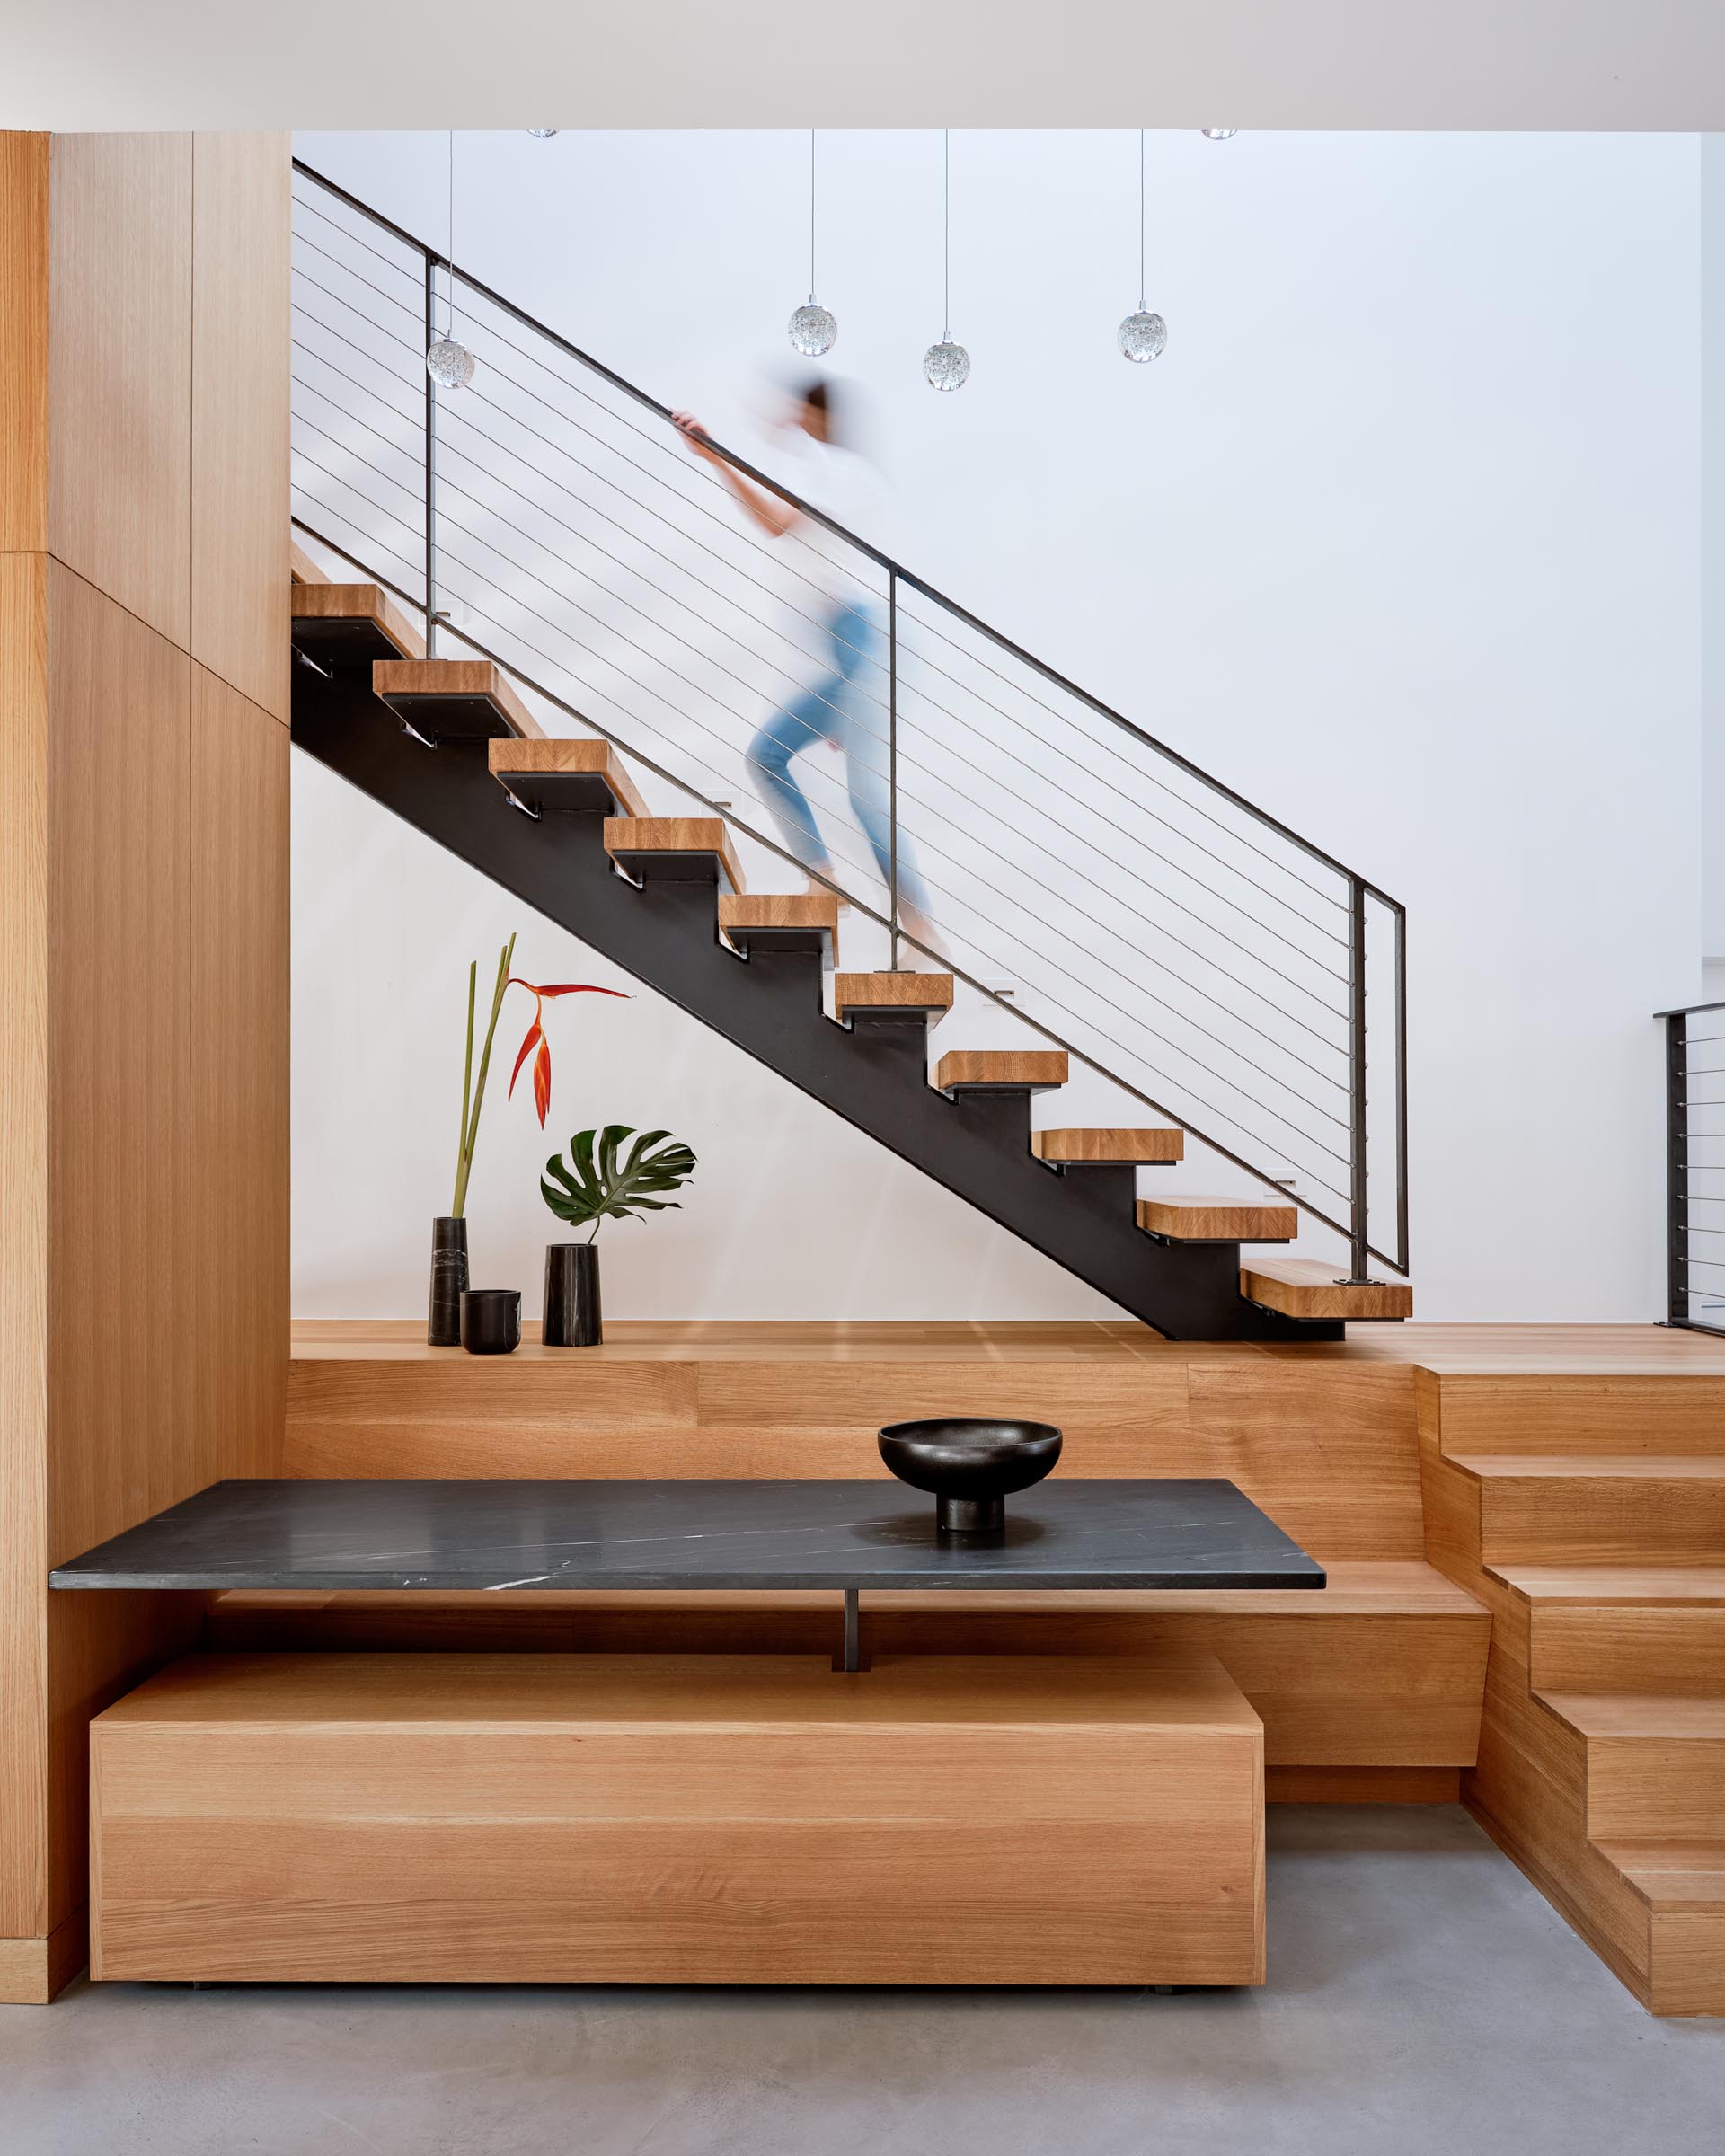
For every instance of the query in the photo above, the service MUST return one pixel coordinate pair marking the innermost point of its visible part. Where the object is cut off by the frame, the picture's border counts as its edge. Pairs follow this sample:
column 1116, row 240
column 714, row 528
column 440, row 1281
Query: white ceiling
column 1515, row 64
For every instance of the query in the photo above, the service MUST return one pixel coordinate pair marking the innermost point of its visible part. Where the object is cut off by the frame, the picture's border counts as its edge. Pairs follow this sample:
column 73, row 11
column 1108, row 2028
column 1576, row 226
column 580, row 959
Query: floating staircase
column 1602, row 1749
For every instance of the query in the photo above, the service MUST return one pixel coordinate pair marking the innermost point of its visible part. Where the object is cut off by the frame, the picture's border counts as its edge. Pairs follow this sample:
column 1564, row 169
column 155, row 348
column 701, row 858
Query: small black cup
column 491, row 1320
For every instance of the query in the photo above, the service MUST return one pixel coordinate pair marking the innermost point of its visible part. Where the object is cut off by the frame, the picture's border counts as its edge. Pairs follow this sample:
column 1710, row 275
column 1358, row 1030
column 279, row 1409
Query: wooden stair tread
column 1590, row 1467
column 1104, row 1148
column 301, row 568
column 1313, row 1287
column 1681, row 1716
column 517, row 759
column 1191, row 1219
column 1030, row 1067
column 349, row 611
column 1671, row 1875
column 674, row 835
column 410, row 684
column 916, row 992
column 783, row 918
column 1607, row 1586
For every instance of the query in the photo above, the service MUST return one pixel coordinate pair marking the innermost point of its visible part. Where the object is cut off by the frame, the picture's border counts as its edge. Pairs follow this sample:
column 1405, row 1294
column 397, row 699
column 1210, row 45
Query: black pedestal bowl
column 972, row 1464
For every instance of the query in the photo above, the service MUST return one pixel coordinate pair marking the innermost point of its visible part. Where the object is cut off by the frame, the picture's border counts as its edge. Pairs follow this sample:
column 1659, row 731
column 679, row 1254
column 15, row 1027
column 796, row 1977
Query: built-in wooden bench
column 662, row 1818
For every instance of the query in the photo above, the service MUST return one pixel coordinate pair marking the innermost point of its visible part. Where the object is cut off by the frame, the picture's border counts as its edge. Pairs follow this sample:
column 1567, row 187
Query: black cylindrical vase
column 490, row 1320
column 448, row 1278
column 571, row 1296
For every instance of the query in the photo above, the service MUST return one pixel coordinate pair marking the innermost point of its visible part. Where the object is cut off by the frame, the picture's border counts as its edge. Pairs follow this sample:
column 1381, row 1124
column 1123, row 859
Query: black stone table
column 338, row 1536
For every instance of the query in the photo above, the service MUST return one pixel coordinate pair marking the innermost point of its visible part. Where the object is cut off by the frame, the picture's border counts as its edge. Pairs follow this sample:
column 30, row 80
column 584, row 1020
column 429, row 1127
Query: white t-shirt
column 850, row 491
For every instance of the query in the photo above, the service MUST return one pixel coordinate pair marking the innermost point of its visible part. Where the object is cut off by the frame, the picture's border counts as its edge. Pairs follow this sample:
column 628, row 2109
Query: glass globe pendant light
column 812, row 330
column 1218, row 134
column 946, row 365
column 542, row 134
column 450, row 365
column 1143, row 335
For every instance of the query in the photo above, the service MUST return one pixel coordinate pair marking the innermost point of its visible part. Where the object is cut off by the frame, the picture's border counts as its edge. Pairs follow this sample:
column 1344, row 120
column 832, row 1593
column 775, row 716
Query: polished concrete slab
column 1423, row 2000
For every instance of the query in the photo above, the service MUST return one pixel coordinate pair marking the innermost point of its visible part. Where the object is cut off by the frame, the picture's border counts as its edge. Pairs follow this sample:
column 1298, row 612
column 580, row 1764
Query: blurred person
column 853, row 633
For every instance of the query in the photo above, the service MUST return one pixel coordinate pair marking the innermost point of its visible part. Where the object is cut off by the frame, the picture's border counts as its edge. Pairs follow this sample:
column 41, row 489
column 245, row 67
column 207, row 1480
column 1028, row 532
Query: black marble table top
column 334, row 1536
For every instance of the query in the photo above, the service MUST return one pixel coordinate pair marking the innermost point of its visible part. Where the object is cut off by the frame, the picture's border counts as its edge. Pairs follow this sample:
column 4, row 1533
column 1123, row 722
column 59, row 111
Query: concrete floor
column 1423, row 2000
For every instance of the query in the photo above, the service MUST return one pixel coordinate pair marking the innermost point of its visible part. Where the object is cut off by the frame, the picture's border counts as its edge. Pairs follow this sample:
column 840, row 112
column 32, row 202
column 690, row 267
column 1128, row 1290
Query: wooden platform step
column 1681, row 1886
column 906, row 995
column 1311, row 1287
column 1001, row 1070
column 1655, row 1763
column 674, row 849
column 1109, row 1148
column 1559, row 1405
column 1186, row 1219
column 542, row 774
column 1597, row 1507
column 453, row 699
column 781, row 920
column 350, row 624
column 1622, row 1628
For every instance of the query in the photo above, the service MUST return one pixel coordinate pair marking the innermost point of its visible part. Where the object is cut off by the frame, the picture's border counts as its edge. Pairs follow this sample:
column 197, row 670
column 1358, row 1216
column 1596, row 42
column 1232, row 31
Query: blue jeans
column 832, row 711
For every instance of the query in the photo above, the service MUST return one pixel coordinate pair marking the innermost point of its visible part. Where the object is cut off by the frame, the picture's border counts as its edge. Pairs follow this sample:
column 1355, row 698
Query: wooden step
column 781, row 920
column 1623, row 1628
column 1313, row 1287
column 1108, row 1148
column 1638, row 1508
column 565, row 776
column 1001, row 1070
column 1562, row 1407
column 674, row 849
column 350, row 625
column 1681, row 1884
column 907, row 995
column 453, row 699
column 1656, row 1763
column 1186, row 1219
column 301, row 568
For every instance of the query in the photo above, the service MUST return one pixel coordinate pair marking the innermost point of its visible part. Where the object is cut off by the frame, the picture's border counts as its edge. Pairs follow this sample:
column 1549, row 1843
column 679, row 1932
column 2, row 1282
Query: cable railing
column 1694, row 1188
column 1194, row 956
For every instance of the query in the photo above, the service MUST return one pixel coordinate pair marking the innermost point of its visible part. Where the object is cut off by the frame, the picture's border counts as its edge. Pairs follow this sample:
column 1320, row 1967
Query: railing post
column 892, row 767
column 1677, row 1167
column 430, row 465
column 1356, row 1220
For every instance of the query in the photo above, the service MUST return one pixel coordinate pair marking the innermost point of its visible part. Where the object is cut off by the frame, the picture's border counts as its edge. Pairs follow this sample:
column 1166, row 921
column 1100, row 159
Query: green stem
column 504, row 958
column 466, row 1083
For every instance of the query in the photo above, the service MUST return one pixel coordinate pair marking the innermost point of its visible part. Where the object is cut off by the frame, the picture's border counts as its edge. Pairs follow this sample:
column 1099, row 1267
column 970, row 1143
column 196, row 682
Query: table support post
column 851, row 1661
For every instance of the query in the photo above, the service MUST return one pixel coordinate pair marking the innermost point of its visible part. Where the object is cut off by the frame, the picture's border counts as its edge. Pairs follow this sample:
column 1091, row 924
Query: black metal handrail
column 1694, row 1280
column 1352, row 1218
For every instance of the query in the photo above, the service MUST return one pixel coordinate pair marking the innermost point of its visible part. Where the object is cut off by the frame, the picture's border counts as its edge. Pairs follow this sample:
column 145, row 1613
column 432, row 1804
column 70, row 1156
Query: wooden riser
column 1599, row 1510
column 1570, row 1411
column 1654, row 1766
column 1666, row 1650
column 1383, row 1670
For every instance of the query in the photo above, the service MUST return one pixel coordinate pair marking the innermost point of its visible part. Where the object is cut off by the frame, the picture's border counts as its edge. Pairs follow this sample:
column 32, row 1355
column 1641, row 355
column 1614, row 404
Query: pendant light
column 450, row 365
column 542, row 134
column 1218, row 134
column 1143, row 336
column 946, row 365
column 812, row 330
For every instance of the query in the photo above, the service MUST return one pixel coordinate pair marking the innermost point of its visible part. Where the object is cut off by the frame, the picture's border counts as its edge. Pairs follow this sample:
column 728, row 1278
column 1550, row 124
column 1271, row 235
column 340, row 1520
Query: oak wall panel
column 239, row 1000
column 23, row 1235
column 119, row 370
column 23, row 342
column 240, row 498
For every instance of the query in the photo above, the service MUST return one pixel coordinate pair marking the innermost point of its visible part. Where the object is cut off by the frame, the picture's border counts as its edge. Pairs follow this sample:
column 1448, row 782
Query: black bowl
column 971, row 1464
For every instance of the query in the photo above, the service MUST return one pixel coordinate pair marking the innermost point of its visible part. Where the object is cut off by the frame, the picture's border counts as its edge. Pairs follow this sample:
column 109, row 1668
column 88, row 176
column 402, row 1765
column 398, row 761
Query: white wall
column 1401, row 537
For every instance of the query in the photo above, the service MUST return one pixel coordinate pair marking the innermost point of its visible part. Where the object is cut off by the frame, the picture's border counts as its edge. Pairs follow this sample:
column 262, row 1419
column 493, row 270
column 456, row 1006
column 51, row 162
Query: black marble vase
column 448, row 1277
column 571, row 1296
column 491, row 1320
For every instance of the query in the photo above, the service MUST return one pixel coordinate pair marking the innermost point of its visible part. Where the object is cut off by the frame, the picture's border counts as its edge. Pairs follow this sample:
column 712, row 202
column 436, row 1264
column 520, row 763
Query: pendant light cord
column 946, row 235
column 1141, row 220
column 811, row 216
column 452, row 236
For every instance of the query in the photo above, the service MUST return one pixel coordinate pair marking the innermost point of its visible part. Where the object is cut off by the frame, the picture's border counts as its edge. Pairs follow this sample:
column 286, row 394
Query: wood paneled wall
column 144, row 935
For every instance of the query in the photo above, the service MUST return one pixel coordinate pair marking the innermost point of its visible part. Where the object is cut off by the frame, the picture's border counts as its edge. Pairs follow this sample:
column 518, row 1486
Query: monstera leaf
column 602, row 1182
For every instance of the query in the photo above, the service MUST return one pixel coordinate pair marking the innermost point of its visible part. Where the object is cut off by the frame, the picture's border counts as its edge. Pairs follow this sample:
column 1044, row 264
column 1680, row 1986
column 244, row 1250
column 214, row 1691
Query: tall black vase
column 448, row 1277
column 571, row 1296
